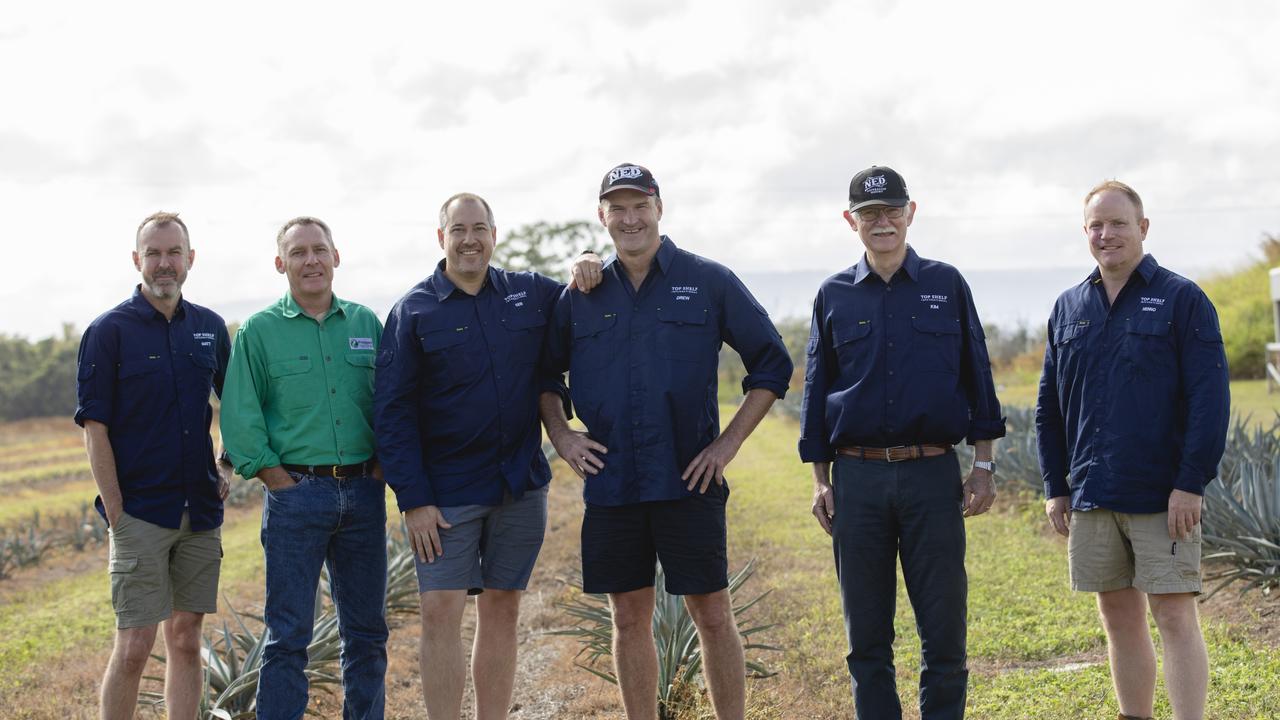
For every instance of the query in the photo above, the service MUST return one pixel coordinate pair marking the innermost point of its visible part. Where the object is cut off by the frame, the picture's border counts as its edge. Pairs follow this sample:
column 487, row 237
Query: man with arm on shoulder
column 642, row 352
column 456, row 412
column 297, row 415
column 1132, row 423
column 897, row 373
column 145, row 371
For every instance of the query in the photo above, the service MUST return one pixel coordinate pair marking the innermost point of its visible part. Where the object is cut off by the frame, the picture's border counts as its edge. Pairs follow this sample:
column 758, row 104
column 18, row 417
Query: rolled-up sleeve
column 746, row 327
column 395, row 412
column 556, row 346
column 815, row 438
column 244, row 392
column 1203, row 364
column 96, row 374
column 1051, row 433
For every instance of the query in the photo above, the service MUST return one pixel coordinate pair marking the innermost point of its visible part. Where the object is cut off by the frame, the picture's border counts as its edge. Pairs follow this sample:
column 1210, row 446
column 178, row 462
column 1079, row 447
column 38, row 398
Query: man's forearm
column 822, row 473
column 551, row 409
column 102, row 464
column 749, row 414
column 983, row 450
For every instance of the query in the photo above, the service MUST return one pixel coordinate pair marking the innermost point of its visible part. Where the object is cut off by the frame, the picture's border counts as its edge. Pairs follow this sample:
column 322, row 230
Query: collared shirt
column 642, row 367
column 1134, row 398
column 148, row 380
column 897, row 363
column 300, row 391
column 456, row 396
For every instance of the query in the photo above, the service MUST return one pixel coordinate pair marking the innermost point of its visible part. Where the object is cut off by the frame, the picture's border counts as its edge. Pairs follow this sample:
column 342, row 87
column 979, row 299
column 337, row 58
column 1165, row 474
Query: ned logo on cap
column 626, row 172
column 874, row 185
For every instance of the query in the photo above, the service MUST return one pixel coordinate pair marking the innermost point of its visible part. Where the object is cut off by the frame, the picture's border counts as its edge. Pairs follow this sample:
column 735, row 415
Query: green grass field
column 1248, row 397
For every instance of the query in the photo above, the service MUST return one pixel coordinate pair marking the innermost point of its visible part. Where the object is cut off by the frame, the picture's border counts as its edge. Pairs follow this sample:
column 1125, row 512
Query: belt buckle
column 336, row 472
column 888, row 453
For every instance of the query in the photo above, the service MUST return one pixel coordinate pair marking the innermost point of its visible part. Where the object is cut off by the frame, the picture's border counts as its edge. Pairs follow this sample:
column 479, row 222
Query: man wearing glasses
column 897, row 373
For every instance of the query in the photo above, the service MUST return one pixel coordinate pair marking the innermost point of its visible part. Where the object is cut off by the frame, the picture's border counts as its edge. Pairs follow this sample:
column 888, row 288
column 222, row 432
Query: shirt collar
column 663, row 258
column 910, row 263
column 445, row 287
column 146, row 310
column 293, row 309
column 1146, row 269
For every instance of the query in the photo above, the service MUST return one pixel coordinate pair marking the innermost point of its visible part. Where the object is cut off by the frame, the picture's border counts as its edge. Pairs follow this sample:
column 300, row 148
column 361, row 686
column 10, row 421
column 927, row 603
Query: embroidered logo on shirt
column 204, row 338
column 1151, row 302
column 513, row 297
column 360, row 343
column 684, row 292
column 932, row 299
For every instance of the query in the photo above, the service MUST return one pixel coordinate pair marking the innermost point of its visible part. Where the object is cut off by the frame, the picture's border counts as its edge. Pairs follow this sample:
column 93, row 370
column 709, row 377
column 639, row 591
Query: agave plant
column 1241, row 523
column 674, row 634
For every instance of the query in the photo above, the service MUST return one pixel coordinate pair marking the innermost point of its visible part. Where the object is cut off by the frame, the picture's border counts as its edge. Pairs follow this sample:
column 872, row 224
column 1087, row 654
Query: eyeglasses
column 871, row 214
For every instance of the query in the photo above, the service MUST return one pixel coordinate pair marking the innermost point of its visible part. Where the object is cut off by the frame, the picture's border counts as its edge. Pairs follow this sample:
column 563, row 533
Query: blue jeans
column 341, row 523
column 910, row 508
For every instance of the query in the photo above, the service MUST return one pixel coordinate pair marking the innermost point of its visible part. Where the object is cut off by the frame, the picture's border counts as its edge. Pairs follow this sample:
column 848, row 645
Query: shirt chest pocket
column 852, row 346
column 593, row 341
column 138, row 375
column 525, row 329
column 683, row 333
column 447, row 361
column 292, row 385
column 1149, row 345
column 937, row 343
column 359, row 377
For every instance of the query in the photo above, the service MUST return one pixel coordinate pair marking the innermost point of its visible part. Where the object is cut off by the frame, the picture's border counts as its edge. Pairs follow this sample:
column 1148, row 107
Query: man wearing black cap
column 641, row 351
column 897, row 373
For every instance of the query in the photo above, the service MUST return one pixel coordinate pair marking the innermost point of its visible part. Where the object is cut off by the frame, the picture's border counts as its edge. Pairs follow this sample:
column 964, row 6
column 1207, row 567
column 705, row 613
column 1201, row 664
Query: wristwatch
column 988, row 465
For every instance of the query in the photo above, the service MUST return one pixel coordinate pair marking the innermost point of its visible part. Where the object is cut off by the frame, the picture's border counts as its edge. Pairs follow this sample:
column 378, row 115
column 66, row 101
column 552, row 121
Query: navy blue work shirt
column 455, row 408
column 897, row 363
column 1134, row 398
column 148, row 380
column 643, row 367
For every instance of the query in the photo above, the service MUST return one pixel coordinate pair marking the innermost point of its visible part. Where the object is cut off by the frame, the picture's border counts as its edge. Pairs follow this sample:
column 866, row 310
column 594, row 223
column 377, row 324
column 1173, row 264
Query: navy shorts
column 620, row 544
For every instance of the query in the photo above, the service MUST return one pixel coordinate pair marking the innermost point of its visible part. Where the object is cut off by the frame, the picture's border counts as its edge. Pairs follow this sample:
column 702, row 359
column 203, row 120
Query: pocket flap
column 205, row 360
column 361, row 359
column 523, row 319
column 436, row 340
column 593, row 324
column 131, row 368
column 1149, row 326
column 936, row 324
column 123, row 564
column 1209, row 335
column 296, row 366
column 849, row 333
column 1068, row 331
column 683, row 313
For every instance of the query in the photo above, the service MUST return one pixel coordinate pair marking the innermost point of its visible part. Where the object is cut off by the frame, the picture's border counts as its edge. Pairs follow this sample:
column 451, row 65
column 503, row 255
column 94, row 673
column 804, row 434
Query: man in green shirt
column 296, row 414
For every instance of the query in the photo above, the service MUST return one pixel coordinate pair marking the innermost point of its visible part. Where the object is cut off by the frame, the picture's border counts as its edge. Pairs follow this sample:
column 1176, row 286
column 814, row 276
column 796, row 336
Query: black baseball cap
column 629, row 176
column 877, row 186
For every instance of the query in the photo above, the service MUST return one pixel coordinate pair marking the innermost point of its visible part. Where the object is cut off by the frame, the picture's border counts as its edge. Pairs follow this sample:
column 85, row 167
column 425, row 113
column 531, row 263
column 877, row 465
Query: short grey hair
column 464, row 196
column 303, row 220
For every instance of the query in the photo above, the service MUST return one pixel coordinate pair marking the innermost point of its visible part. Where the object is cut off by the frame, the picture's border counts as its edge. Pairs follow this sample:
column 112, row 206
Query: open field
column 1036, row 648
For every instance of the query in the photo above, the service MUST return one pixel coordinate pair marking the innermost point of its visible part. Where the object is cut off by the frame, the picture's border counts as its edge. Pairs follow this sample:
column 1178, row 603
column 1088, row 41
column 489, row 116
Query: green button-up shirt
column 300, row 391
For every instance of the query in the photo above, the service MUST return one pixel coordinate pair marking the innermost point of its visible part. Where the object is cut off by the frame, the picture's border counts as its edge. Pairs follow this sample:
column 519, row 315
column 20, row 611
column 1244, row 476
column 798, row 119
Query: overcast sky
column 752, row 115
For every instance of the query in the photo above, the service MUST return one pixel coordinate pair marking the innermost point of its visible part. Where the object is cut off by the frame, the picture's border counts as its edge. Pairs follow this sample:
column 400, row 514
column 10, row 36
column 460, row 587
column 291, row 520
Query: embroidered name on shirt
column 933, row 299
column 204, row 338
column 514, row 297
column 356, row 343
column 684, row 292
column 1150, row 301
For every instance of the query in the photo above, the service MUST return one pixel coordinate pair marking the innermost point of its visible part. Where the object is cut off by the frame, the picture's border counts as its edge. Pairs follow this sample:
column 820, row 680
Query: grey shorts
column 156, row 570
column 488, row 547
column 1112, row 551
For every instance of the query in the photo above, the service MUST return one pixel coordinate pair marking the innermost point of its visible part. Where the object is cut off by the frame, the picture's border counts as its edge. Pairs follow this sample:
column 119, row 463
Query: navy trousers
column 911, row 509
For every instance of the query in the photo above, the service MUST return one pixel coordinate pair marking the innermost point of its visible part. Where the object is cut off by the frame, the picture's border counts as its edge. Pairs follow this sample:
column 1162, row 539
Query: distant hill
column 1243, row 299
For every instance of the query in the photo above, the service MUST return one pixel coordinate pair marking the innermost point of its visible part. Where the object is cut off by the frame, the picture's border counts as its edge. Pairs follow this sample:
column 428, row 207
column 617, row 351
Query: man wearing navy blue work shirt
column 1132, row 422
column 897, row 373
column 146, row 368
column 456, row 418
column 641, row 351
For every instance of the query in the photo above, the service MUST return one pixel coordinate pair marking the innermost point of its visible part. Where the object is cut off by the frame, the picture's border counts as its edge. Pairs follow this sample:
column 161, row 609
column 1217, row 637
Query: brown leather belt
column 340, row 472
column 897, row 453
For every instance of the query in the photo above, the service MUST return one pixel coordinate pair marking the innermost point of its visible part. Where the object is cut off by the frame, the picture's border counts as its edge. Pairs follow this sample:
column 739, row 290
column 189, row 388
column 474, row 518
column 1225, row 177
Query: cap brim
column 646, row 189
column 892, row 203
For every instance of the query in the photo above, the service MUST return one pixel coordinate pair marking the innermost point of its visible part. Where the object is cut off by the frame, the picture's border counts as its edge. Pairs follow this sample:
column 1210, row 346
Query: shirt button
column 337, row 422
column 890, row 316
column 333, row 391
column 328, row 358
column 186, row 432
column 890, row 343
column 891, row 402
column 890, row 372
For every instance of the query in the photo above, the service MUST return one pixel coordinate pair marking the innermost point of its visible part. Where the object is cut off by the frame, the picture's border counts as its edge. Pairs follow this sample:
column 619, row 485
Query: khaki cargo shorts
column 1112, row 551
column 156, row 570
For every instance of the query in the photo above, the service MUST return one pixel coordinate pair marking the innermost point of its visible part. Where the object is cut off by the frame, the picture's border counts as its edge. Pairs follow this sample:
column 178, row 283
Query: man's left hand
column 586, row 273
column 1184, row 514
column 225, row 471
column 979, row 492
column 710, row 464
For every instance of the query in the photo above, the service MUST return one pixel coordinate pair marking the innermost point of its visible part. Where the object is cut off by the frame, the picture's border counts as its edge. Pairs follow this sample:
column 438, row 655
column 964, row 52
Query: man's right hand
column 276, row 478
column 1059, row 511
column 113, row 514
column 824, row 504
column 579, row 450
column 424, row 525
